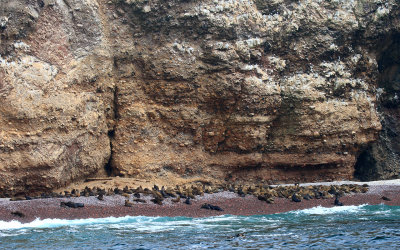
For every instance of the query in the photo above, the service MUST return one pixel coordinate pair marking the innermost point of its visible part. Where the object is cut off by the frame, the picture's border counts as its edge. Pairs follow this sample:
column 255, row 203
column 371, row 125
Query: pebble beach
column 382, row 192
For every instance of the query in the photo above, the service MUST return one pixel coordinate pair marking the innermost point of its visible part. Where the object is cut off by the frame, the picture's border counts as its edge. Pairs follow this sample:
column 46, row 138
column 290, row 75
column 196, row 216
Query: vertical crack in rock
column 111, row 133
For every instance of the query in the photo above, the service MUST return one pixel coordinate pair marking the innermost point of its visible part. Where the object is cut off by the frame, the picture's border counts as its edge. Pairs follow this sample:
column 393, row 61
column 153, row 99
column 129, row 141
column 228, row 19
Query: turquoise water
column 355, row 227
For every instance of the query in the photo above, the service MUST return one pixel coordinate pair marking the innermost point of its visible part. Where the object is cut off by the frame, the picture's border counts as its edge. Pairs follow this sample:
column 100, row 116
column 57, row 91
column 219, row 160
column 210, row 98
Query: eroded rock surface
column 53, row 126
column 216, row 91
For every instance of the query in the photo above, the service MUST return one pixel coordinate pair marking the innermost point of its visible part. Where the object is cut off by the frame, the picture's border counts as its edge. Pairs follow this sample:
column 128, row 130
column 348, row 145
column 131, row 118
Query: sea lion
column 240, row 192
column 337, row 202
column 171, row 193
column 270, row 200
column 140, row 200
column 364, row 189
column 158, row 195
column 332, row 190
column 18, row 198
column 126, row 190
column 71, row 204
column 176, row 200
column 18, row 213
column 317, row 195
column 262, row 198
column 163, row 193
column 137, row 195
column 157, row 200
column 117, row 191
column 187, row 201
column 139, row 189
column 295, row 198
column 211, row 207
column 128, row 203
column 100, row 197
column 385, row 198
column 147, row 191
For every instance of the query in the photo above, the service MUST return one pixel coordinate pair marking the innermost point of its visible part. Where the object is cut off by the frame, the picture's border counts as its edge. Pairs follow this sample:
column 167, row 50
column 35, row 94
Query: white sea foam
column 139, row 223
column 51, row 223
column 330, row 210
column 159, row 224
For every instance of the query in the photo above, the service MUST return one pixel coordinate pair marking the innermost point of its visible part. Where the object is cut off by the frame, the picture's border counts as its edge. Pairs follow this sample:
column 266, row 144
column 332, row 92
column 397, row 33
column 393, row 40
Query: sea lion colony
column 184, row 194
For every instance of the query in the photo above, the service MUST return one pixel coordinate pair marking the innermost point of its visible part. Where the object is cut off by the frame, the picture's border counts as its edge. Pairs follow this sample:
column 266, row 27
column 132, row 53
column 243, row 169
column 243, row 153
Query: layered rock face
column 52, row 118
column 211, row 91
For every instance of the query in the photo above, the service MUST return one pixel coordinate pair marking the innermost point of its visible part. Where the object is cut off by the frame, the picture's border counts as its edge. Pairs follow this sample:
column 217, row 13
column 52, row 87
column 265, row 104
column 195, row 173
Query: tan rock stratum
column 213, row 91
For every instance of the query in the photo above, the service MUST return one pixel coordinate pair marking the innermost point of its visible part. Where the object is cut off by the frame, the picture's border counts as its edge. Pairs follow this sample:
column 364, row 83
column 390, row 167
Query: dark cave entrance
column 381, row 160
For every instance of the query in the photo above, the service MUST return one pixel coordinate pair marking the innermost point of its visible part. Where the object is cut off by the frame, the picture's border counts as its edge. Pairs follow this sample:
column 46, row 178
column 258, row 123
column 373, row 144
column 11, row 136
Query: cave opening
column 381, row 159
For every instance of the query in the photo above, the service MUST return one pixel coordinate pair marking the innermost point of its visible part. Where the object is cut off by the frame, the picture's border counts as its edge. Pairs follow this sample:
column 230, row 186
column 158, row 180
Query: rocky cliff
column 211, row 91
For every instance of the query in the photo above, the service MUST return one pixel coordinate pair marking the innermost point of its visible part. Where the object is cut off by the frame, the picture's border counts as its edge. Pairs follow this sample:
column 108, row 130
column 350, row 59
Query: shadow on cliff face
column 381, row 160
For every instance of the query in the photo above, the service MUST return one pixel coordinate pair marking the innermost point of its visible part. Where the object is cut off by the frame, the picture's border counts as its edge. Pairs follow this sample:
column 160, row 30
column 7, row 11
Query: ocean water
column 347, row 227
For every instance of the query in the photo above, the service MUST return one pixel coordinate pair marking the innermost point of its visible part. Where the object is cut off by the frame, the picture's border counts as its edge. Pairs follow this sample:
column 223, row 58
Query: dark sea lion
column 45, row 196
column 205, row 206
column 137, row 195
column 146, row 191
column 241, row 193
column 100, row 197
column 337, row 202
column 117, row 191
column 262, row 198
column 385, row 198
column 171, row 193
column 211, row 207
column 332, row 190
column 71, row 204
column 295, row 198
column 318, row 195
column 157, row 200
column 18, row 213
column 164, row 194
column 187, row 201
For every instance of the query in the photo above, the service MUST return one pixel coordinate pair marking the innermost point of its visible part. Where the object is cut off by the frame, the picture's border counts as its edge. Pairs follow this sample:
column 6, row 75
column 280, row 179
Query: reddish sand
column 230, row 202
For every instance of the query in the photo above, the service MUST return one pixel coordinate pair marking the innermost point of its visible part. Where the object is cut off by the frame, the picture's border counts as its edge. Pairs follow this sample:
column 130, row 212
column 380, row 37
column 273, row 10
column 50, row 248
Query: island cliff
column 213, row 91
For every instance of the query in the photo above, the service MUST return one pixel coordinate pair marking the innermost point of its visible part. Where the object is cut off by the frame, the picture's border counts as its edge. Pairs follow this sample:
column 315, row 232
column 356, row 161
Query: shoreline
column 231, row 203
